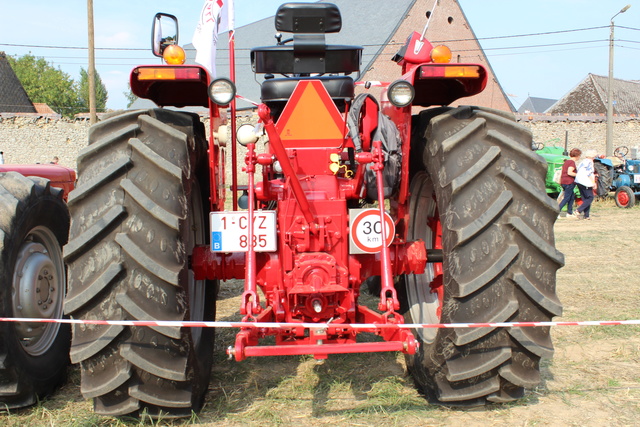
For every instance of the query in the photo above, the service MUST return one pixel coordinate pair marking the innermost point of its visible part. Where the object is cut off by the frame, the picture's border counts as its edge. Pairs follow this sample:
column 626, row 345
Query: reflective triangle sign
column 310, row 118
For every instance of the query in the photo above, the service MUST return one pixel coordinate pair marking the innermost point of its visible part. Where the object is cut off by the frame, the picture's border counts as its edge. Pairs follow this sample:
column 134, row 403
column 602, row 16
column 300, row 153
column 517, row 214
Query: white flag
column 216, row 17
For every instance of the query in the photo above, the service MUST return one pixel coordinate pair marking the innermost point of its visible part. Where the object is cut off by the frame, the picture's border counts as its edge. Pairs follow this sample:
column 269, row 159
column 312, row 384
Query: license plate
column 636, row 178
column 229, row 231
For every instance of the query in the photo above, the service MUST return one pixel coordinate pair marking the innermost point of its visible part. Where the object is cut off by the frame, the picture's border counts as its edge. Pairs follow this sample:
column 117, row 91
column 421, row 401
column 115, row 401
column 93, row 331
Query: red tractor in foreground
column 446, row 206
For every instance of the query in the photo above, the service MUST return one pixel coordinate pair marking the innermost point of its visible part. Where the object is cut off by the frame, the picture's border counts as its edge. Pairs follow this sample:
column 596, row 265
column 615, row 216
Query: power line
column 628, row 28
column 225, row 57
column 364, row 45
column 538, row 45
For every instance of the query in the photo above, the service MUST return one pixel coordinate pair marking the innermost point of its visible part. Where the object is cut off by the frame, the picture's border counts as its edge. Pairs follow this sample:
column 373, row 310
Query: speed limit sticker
column 366, row 231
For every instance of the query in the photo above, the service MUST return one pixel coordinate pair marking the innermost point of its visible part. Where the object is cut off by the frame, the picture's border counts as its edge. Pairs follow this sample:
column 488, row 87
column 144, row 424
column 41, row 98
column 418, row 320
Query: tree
column 45, row 83
column 131, row 98
column 82, row 89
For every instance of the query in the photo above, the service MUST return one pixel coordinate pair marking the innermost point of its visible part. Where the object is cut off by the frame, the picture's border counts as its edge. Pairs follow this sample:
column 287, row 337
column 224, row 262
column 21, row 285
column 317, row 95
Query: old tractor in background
column 446, row 205
column 34, row 225
column 555, row 157
column 620, row 174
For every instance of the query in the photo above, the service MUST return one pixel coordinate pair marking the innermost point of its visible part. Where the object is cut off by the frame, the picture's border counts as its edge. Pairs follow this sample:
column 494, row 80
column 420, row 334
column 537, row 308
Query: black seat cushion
column 339, row 88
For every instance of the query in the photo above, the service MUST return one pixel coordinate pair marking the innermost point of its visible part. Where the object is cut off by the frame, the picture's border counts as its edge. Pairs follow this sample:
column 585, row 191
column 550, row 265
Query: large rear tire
column 480, row 199
column 34, row 225
column 137, row 213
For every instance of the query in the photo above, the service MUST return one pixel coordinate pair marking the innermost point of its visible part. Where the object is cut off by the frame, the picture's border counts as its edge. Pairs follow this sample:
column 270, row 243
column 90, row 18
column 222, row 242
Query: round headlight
column 246, row 135
column 222, row 91
column 401, row 93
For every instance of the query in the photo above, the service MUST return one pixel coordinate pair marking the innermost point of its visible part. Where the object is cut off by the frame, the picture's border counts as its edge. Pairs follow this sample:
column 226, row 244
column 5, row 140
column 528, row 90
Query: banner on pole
column 216, row 17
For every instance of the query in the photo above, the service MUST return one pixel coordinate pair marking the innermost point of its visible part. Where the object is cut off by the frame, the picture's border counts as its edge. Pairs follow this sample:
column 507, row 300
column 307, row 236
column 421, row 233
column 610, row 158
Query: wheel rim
column 623, row 198
column 197, row 288
column 39, row 281
column 425, row 291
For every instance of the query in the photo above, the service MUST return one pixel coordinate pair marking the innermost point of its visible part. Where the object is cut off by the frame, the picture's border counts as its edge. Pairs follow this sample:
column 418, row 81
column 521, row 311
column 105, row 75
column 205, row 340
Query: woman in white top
column 586, row 181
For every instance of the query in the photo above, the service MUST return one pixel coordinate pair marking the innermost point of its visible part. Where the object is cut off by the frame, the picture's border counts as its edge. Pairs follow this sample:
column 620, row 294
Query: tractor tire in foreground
column 480, row 199
column 136, row 214
column 34, row 225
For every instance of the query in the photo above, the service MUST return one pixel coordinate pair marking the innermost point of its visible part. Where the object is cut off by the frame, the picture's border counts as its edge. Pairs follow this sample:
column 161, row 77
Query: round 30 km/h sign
column 366, row 231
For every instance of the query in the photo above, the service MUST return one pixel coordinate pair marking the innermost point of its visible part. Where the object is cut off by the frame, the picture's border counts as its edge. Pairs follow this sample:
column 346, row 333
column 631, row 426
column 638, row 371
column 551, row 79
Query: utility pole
column 609, row 146
column 92, row 66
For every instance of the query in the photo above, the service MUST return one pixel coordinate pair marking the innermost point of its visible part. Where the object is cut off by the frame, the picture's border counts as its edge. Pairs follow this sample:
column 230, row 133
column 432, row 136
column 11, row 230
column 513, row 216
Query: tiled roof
column 590, row 97
column 13, row 98
column 43, row 108
column 536, row 105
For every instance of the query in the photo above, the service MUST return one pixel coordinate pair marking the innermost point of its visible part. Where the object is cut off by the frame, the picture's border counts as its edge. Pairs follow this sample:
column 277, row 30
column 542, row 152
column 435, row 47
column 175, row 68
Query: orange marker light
column 174, row 55
column 441, row 54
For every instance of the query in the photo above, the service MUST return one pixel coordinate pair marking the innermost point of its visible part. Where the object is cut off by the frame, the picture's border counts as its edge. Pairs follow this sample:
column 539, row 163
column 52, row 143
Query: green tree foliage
column 131, row 98
column 52, row 86
column 47, row 84
column 82, row 89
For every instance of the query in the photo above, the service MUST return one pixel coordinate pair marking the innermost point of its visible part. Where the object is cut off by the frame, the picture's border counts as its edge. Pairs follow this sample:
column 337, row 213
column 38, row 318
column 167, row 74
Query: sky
column 526, row 62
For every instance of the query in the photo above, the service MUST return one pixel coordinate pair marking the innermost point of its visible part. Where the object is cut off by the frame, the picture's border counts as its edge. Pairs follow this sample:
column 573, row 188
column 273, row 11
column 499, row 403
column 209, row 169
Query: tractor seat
column 340, row 88
column 309, row 55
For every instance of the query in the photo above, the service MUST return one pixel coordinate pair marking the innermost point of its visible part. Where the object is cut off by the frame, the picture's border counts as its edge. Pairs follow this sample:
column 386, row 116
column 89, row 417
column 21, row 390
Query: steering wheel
column 621, row 152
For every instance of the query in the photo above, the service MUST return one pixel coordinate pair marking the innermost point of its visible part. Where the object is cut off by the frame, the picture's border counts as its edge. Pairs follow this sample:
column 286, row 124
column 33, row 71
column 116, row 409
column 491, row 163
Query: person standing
column 567, row 180
column 586, row 181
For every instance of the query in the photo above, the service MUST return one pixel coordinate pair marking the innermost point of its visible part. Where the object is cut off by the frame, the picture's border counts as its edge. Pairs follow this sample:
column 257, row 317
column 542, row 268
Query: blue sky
column 545, row 66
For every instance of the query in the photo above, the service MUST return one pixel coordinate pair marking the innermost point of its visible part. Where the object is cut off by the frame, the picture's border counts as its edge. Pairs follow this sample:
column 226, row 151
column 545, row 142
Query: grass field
column 593, row 379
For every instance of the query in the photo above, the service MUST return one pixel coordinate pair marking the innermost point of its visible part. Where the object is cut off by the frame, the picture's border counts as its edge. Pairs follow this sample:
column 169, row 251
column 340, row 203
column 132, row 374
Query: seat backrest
column 308, row 18
column 309, row 22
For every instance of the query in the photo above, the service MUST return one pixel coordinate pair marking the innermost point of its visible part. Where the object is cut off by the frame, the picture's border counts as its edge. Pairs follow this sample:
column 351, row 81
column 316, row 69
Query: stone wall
column 38, row 139
column 588, row 133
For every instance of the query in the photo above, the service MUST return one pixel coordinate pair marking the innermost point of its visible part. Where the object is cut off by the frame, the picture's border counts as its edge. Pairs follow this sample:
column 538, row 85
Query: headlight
column 222, row 91
column 246, row 135
column 401, row 93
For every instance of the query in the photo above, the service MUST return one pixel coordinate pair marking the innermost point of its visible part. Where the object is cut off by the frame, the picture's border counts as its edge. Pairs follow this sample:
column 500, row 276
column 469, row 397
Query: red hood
column 60, row 176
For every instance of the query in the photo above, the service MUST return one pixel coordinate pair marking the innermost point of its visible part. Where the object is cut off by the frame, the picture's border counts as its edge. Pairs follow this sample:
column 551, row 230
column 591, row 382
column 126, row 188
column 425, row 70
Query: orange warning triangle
column 311, row 118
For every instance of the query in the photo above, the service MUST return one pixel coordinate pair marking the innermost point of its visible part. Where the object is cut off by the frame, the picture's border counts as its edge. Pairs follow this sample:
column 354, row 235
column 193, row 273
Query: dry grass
column 593, row 379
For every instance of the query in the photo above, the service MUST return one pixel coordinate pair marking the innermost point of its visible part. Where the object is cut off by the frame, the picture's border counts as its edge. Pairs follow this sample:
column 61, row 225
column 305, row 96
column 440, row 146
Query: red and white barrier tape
column 276, row 325
column 373, row 83
column 247, row 100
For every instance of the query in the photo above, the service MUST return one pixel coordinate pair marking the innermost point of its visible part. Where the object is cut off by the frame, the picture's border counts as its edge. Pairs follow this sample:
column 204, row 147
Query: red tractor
column 34, row 225
column 444, row 207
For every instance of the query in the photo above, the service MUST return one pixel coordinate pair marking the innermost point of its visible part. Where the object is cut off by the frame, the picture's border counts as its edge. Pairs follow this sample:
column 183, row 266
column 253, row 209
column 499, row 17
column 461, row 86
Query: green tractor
column 555, row 157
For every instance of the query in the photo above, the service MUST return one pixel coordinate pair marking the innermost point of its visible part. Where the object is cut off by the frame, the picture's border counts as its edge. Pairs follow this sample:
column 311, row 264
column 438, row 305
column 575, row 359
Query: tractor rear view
column 446, row 206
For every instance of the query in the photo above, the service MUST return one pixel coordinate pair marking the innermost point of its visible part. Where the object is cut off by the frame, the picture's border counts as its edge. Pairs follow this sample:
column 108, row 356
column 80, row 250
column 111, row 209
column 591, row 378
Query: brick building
column 590, row 97
column 381, row 27
column 448, row 26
